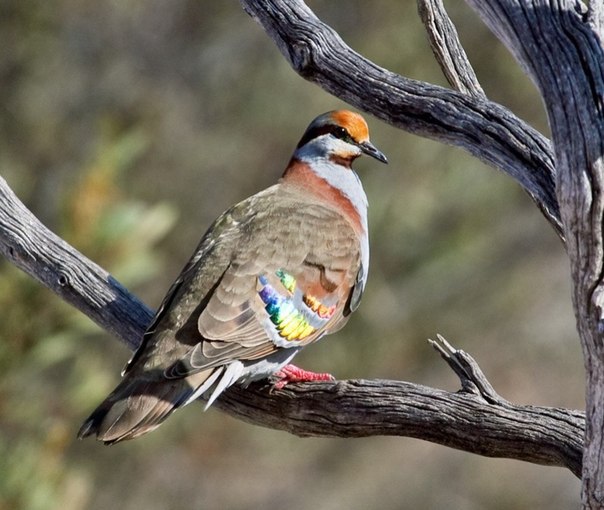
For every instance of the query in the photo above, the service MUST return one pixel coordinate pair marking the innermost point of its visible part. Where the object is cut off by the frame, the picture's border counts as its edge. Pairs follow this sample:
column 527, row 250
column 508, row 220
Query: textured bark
column 447, row 48
column 559, row 44
column 483, row 128
column 462, row 420
column 50, row 260
column 474, row 419
column 561, row 49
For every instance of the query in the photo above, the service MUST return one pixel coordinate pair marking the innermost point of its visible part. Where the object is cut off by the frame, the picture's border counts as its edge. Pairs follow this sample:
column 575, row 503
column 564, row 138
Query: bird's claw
column 292, row 374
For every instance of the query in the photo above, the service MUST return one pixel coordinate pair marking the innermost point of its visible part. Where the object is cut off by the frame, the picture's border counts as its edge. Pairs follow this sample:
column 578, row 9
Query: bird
column 273, row 273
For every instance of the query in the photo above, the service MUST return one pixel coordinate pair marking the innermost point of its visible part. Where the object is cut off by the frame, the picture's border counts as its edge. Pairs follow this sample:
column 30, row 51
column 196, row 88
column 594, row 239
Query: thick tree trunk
column 559, row 44
column 563, row 52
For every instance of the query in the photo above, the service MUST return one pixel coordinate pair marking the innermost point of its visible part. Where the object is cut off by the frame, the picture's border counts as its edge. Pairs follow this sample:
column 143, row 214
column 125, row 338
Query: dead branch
column 475, row 419
column 484, row 128
column 560, row 46
column 447, row 49
column 467, row 420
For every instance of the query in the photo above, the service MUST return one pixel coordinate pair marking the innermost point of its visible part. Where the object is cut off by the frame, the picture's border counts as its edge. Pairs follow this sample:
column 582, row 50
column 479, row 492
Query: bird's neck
column 336, row 185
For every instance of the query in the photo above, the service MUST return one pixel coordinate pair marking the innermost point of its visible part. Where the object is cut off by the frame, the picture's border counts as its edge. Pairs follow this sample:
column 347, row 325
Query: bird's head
column 340, row 136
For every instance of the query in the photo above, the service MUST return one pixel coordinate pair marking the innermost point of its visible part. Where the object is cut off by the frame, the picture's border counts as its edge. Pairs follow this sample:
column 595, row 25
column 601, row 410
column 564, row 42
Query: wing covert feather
column 269, row 235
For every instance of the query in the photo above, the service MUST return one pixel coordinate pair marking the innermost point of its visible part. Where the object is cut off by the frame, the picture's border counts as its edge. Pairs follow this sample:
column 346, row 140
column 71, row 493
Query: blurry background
column 127, row 127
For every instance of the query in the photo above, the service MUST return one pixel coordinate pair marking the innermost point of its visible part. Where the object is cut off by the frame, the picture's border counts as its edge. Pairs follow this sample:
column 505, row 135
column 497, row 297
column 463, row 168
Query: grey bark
column 447, row 48
column 482, row 127
column 561, row 49
column 474, row 419
column 559, row 44
column 470, row 420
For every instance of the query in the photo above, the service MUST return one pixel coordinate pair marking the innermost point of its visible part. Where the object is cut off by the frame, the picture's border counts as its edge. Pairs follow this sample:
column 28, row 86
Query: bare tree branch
column 469, row 373
column 561, row 49
column 483, row 128
column 463, row 420
column 54, row 263
column 447, row 49
column 564, row 55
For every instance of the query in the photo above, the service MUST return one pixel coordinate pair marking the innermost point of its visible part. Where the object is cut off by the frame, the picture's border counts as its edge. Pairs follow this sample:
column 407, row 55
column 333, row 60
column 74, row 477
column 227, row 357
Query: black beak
column 369, row 149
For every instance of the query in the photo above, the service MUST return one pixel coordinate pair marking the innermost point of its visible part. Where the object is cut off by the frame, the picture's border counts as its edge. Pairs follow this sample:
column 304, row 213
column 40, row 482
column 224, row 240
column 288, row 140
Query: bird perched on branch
column 273, row 274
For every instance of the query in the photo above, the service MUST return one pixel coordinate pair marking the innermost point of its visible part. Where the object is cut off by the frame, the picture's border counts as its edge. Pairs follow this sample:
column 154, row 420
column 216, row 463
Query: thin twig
column 447, row 49
column 470, row 374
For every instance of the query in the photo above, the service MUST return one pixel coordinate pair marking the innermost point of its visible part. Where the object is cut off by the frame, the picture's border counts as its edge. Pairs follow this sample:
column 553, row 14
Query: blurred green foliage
column 51, row 367
column 118, row 115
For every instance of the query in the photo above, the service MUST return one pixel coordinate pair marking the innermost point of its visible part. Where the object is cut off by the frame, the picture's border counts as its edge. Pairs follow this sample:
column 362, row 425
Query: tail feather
column 138, row 406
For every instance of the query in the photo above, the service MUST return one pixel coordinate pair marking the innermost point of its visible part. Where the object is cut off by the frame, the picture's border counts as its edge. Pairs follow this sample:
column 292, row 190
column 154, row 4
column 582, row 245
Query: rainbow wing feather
column 295, row 315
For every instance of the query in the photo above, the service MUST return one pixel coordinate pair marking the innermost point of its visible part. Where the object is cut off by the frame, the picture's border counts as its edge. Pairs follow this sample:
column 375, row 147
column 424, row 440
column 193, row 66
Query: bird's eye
column 341, row 133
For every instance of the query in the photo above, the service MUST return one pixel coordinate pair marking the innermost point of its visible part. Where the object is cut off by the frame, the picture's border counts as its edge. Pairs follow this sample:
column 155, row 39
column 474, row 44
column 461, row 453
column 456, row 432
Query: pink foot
column 292, row 373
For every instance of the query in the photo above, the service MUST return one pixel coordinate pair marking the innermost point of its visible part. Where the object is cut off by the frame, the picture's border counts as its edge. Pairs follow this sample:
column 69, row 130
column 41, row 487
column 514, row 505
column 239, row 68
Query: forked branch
column 485, row 129
column 466, row 420
column 474, row 419
column 560, row 45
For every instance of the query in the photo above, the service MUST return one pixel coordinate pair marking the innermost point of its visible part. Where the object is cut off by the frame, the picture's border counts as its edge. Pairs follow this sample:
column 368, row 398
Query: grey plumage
column 271, row 275
column 216, row 294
